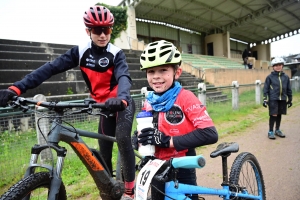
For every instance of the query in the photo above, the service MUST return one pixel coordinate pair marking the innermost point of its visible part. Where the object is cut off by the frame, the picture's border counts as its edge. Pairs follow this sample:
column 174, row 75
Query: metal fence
column 18, row 130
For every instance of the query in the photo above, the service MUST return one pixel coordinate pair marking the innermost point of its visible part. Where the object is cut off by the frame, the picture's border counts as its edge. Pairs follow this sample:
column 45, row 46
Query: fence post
column 235, row 95
column 257, row 91
column 43, row 125
column 202, row 93
column 296, row 85
column 24, row 124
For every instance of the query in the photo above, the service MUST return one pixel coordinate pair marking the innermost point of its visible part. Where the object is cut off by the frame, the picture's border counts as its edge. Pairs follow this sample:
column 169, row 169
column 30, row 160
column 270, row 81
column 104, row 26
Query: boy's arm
column 64, row 62
column 204, row 131
column 196, row 138
column 122, row 76
column 289, row 90
column 266, row 89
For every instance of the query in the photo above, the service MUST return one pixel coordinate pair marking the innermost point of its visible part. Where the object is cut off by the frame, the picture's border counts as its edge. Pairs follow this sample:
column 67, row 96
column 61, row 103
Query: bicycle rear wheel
column 37, row 185
column 246, row 176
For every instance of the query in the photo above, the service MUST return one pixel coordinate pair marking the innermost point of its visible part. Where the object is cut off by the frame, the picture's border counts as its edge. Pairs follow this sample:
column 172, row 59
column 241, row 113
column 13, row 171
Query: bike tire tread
column 30, row 183
column 237, row 166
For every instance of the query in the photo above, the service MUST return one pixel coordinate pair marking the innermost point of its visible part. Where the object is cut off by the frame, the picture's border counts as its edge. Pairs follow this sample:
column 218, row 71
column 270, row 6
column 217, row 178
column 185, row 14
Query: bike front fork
column 55, row 172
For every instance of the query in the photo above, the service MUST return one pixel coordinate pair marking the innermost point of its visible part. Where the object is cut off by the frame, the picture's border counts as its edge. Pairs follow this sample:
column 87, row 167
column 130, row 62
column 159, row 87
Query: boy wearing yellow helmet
column 181, row 122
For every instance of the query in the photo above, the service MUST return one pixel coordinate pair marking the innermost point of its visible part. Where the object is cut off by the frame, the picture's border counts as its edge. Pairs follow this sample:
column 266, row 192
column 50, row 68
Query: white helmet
column 277, row 61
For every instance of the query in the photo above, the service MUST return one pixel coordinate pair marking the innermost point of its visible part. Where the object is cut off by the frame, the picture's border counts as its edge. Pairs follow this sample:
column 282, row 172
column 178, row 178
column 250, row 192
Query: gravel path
column 279, row 159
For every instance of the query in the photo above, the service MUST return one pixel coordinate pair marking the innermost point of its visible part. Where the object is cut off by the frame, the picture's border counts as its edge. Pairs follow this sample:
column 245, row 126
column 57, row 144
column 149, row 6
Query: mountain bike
column 245, row 180
column 48, row 182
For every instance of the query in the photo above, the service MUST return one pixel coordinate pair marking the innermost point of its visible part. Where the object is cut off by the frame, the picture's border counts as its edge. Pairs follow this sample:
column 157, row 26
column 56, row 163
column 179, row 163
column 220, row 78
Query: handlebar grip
column 188, row 162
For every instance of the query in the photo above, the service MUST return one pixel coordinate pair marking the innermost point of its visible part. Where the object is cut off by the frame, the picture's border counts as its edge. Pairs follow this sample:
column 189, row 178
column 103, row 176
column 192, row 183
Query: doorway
column 210, row 49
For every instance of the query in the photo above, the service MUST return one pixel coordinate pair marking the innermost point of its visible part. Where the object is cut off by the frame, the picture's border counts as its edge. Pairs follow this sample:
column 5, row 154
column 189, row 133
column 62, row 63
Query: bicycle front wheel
column 246, row 176
column 36, row 185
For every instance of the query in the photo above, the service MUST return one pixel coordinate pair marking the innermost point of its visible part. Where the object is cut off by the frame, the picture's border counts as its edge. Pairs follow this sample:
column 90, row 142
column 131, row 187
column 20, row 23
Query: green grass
column 15, row 147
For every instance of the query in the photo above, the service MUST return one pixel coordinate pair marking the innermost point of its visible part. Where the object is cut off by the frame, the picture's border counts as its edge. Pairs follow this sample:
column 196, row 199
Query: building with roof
column 222, row 28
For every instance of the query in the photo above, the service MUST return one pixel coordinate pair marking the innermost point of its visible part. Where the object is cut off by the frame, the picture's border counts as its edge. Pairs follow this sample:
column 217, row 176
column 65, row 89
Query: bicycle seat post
column 225, row 169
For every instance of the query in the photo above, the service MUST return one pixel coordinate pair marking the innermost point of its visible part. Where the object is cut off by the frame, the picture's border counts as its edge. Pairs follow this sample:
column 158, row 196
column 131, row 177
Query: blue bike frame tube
column 183, row 189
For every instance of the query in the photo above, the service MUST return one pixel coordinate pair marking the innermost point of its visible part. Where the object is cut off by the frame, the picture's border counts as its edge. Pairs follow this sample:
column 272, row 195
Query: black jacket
column 104, row 70
column 277, row 87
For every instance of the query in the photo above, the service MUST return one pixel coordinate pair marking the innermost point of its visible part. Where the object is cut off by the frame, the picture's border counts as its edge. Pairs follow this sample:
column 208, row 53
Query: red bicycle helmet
column 98, row 16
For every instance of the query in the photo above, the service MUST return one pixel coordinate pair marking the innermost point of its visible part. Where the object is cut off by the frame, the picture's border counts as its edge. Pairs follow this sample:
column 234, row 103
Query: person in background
column 106, row 74
column 181, row 122
column 277, row 96
column 245, row 56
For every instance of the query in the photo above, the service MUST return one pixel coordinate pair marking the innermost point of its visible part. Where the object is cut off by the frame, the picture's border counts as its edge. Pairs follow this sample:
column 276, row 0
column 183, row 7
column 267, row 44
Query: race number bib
column 144, row 178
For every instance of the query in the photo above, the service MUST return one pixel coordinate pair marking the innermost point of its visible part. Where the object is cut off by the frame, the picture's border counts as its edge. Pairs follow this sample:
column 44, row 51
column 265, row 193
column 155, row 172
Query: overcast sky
column 52, row 21
column 60, row 21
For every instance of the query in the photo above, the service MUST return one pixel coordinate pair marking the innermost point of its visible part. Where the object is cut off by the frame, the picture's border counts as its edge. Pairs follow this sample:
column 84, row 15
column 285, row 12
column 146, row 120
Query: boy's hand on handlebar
column 115, row 104
column 5, row 96
column 154, row 137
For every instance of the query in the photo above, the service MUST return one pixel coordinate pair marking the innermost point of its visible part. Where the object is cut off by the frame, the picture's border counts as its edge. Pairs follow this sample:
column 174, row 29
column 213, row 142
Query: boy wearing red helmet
column 105, row 72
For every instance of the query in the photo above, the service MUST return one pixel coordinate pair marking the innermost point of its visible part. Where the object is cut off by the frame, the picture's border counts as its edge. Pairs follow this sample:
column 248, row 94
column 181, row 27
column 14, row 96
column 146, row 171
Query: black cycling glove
column 154, row 137
column 265, row 103
column 5, row 96
column 115, row 104
column 289, row 104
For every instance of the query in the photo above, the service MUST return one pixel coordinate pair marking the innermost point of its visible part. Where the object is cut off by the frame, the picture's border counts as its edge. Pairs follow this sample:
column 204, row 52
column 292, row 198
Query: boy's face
column 99, row 35
column 161, row 78
column 278, row 67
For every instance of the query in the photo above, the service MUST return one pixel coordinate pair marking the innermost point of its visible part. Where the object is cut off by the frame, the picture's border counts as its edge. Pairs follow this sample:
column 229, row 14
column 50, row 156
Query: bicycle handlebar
column 18, row 101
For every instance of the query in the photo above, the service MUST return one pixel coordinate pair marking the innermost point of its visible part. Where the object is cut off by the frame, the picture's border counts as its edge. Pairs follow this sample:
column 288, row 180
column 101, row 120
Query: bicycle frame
column 91, row 159
column 179, row 190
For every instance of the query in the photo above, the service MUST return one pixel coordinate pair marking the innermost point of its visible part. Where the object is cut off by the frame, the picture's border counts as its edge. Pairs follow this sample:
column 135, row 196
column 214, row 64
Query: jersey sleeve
column 195, row 111
column 63, row 63
column 122, row 76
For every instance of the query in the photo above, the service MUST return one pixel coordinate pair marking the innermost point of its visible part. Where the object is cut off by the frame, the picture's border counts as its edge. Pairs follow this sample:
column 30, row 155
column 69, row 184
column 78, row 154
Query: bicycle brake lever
column 163, row 177
column 17, row 103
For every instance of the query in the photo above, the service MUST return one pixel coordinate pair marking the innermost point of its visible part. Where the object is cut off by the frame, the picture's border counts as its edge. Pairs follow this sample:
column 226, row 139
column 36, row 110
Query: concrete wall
column 129, row 36
column 220, row 42
column 263, row 51
column 223, row 77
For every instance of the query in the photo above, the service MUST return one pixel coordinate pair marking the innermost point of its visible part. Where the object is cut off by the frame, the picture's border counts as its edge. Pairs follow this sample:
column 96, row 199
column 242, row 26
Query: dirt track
column 279, row 159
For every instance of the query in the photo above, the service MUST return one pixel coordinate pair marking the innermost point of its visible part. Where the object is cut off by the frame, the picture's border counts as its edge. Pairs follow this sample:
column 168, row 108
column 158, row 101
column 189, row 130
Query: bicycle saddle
column 224, row 149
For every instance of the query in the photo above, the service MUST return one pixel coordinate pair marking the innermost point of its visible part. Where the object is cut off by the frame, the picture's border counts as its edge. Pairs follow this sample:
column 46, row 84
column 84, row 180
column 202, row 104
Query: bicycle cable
column 161, row 192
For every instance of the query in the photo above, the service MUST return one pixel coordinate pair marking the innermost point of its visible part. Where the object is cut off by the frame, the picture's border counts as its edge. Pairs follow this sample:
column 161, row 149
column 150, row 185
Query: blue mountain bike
column 244, row 182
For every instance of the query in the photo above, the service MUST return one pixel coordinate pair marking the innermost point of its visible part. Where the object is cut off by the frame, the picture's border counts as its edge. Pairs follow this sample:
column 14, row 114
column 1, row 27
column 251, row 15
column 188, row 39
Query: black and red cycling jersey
column 104, row 70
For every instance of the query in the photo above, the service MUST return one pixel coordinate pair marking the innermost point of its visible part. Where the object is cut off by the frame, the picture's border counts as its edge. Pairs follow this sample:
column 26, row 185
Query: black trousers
column 120, row 127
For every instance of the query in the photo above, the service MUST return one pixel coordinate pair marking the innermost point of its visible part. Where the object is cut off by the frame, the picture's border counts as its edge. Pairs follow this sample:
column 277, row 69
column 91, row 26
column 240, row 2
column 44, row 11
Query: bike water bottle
column 144, row 120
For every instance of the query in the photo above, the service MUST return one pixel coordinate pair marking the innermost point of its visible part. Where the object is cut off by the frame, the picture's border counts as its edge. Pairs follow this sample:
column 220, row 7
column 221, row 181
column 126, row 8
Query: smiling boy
column 181, row 122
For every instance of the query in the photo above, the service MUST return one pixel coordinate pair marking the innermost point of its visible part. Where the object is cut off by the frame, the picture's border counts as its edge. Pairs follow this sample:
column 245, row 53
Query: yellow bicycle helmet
column 159, row 53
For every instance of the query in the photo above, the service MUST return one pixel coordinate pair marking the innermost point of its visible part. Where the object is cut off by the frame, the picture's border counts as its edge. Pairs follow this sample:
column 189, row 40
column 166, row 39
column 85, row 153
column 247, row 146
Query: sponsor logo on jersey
column 193, row 107
column 90, row 62
column 103, row 62
column 174, row 115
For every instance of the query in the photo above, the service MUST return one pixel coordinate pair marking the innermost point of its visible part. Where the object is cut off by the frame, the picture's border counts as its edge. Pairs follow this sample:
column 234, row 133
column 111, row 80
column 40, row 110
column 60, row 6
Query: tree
column 120, row 15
